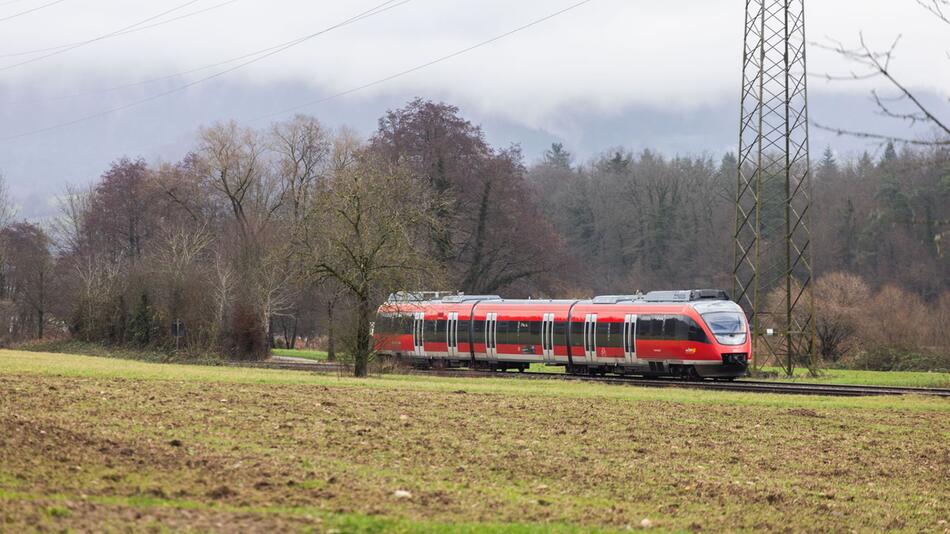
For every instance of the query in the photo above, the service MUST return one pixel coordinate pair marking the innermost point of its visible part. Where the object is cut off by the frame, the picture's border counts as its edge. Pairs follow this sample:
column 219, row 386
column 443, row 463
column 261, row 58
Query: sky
column 609, row 73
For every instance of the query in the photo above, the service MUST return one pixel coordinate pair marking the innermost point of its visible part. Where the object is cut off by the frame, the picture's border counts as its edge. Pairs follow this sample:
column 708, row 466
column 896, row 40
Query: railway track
column 755, row 386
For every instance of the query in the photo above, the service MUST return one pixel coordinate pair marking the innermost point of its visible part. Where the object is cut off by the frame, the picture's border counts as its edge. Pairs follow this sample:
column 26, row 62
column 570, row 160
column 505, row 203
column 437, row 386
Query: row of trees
column 254, row 234
column 260, row 237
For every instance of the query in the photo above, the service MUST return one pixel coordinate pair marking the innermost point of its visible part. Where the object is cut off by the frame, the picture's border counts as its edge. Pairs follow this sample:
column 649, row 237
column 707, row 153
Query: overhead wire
column 423, row 65
column 101, row 37
column 379, row 8
column 31, row 10
column 177, row 74
column 126, row 32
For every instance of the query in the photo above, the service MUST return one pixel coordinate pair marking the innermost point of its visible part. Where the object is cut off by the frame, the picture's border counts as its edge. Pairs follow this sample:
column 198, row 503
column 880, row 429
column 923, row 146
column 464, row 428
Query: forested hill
column 645, row 220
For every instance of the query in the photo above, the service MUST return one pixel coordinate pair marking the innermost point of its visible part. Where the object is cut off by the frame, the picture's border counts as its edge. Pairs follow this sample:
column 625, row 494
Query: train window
column 669, row 327
column 643, row 326
column 609, row 334
column 393, row 324
column 440, row 327
column 514, row 332
column 389, row 323
column 560, row 333
column 696, row 332
column 654, row 327
column 532, row 336
column 462, row 326
column 504, row 332
column 577, row 333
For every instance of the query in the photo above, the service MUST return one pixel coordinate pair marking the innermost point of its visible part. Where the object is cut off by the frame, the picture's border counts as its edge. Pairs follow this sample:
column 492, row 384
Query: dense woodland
column 292, row 234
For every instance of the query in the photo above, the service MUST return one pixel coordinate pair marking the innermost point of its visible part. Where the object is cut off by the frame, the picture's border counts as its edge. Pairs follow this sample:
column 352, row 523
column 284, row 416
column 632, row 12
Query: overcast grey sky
column 587, row 77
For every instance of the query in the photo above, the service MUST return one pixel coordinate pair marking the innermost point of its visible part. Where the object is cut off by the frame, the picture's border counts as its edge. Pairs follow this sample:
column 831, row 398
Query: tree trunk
column 40, row 316
column 331, row 349
column 361, row 358
column 271, row 344
column 293, row 334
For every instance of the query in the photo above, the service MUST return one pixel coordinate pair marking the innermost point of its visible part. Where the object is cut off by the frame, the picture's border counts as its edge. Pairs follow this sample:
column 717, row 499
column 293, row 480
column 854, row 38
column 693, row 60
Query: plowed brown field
column 223, row 453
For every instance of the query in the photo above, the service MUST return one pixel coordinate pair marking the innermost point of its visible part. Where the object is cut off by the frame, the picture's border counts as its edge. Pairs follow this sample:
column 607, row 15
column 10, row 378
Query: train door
column 452, row 334
column 547, row 337
column 590, row 337
column 418, row 334
column 491, row 336
column 630, row 338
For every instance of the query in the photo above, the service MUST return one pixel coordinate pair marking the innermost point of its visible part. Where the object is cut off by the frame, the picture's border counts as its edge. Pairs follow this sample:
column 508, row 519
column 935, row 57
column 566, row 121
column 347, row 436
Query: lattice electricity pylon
column 772, row 277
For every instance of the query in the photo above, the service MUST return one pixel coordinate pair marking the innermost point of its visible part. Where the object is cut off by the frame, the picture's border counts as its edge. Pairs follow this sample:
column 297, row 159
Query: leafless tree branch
column 939, row 8
column 882, row 137
column 878, row 65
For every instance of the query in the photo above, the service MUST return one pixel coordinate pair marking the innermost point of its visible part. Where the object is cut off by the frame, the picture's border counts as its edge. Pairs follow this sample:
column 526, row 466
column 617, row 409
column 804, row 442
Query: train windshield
column 728, row 327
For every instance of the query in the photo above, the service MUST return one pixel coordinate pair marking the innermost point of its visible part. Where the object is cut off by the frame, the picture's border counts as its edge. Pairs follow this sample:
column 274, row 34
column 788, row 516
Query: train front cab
column 729, row 334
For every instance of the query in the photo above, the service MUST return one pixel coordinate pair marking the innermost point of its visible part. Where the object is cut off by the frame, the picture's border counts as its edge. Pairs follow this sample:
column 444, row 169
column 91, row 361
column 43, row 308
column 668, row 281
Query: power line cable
column 379, row 8
column 31, row 10
column 175, row 75
column 132, row 30
column 101, row 37
column 424, row 65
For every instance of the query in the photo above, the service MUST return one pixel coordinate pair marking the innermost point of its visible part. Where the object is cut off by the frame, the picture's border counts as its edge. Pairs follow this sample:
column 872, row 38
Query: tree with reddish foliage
column 123, row 213
column 490, row 236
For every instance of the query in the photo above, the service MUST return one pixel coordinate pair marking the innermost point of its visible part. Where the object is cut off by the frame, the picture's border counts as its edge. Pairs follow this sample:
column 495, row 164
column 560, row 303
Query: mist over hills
column 38, row 167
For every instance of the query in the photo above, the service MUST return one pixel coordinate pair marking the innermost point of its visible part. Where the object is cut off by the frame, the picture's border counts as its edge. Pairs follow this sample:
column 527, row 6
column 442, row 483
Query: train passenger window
column 503, row 332
column 603, row 333
column 533, row 334
column 669, row 327
column 560, row 333
column 577, row 333
column 463, row 325
column 402, row 324
column 656, row 327
column 514, row 332
column 643, row 326
column 440, row 327
column 696, row 332
column 609, row 334
column 393, row 324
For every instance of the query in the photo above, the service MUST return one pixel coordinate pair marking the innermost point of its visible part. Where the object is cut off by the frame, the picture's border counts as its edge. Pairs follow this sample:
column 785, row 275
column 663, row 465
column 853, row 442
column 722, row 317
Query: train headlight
column 730, row 339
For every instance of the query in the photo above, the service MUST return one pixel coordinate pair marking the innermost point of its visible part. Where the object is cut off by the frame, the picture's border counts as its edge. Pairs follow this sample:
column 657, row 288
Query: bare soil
column 97, row 454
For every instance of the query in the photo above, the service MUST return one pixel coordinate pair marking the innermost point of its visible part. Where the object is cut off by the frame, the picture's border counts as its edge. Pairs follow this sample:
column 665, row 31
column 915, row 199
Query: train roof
column 684, row 296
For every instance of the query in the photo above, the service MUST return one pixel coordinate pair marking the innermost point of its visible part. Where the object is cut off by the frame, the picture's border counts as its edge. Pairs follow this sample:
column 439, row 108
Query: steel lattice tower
column 772, row 276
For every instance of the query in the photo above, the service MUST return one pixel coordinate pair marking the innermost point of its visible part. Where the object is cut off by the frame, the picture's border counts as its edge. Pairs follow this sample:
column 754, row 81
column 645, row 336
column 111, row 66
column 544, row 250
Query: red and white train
column 690, row 333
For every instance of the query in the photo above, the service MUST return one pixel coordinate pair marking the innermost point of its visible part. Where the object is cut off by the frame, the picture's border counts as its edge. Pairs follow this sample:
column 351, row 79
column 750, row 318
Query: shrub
column 893, row 359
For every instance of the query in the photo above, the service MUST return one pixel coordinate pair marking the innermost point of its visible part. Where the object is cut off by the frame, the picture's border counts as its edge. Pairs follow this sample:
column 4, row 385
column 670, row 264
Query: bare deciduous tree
column 363, row 233
column 303, row 149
